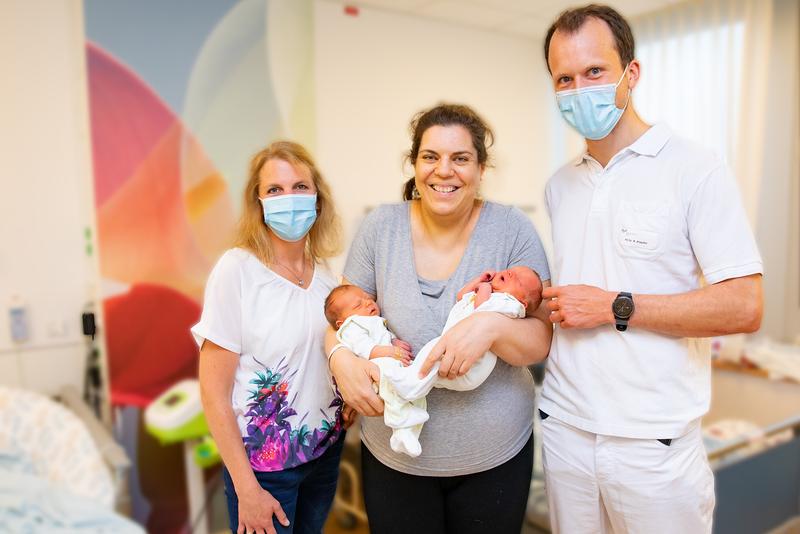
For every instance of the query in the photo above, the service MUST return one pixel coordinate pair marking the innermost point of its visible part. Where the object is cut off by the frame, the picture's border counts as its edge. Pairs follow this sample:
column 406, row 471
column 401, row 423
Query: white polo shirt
column 663, row 213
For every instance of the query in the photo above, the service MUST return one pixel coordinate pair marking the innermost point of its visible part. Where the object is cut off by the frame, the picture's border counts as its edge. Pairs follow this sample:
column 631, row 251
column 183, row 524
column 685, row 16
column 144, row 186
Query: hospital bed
column 60, row 469
column 114, row 456
column 757, row 475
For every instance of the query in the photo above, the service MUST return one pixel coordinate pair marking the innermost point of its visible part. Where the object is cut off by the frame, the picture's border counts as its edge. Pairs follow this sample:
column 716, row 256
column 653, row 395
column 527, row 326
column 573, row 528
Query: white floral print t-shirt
column 282, row 397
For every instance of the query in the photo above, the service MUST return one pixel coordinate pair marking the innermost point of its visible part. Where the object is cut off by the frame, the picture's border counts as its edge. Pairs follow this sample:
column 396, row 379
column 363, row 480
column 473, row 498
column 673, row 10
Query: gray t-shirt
column 468, row 431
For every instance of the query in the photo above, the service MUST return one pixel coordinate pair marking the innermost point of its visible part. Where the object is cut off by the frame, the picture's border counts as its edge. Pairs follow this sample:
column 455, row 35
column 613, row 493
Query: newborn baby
column 515, row 292
column 357, row 319
column 520, row 282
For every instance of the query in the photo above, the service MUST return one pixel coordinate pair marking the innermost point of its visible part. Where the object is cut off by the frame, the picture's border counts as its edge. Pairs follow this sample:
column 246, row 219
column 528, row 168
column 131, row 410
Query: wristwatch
column 622, row 307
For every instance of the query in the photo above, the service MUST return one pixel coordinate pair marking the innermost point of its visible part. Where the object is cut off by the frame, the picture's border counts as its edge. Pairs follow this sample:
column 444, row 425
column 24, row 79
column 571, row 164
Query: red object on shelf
column 351, row 10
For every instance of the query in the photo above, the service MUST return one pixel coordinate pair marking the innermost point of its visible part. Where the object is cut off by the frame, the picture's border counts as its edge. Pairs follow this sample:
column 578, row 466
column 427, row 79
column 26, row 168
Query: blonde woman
column 263, row 373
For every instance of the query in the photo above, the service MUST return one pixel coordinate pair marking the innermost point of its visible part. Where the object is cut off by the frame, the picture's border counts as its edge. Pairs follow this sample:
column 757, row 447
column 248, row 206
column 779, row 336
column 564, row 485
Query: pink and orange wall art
column 181, row 94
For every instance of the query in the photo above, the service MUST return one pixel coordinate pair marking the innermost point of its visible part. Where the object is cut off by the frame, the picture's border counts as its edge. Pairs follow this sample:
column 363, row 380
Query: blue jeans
column 305, row 492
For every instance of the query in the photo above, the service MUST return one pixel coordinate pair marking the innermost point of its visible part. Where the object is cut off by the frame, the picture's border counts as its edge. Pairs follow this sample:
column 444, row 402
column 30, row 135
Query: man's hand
column 579, row 306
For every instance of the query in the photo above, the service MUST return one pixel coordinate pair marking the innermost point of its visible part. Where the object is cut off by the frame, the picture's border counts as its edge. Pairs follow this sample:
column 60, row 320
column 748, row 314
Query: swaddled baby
column 513, row 292
column 360, row 327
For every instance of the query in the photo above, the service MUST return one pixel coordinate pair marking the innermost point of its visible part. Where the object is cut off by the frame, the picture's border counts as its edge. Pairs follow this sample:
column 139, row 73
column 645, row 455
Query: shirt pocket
column 640, row 229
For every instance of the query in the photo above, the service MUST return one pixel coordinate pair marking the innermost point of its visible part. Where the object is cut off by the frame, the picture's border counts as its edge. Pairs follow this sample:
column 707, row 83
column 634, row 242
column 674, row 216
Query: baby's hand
column 403, row 355
column 390, row 351
column 349, row 416
column 473, row 284
column 402, row 344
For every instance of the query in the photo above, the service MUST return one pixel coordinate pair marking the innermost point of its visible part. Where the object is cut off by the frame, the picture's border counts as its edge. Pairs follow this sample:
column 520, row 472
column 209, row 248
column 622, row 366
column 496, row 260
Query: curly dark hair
column 448, row 115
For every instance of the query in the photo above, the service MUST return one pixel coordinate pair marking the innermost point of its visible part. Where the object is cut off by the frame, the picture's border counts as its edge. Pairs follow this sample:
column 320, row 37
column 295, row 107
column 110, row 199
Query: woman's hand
column 256, row 508
column 461, row 346
column 355, row 378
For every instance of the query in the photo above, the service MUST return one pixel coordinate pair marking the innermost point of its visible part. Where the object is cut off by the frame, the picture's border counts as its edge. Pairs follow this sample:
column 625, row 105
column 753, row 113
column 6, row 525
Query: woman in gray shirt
column 474, row 471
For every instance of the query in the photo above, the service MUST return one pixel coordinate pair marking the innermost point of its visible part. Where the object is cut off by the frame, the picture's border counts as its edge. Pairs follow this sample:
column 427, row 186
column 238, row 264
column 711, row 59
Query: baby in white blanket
column 512, row 292
column 359, row 325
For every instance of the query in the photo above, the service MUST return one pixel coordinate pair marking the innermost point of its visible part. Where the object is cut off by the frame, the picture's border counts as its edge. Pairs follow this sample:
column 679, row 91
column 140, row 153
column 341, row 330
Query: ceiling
column 529, row 18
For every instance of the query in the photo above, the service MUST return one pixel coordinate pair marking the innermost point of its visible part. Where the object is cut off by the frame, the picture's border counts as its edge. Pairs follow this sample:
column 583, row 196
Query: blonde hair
column 324, row 238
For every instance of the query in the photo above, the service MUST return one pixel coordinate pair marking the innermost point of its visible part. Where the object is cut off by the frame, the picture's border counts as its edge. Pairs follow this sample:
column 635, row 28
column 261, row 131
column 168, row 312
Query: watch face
column 623, row 307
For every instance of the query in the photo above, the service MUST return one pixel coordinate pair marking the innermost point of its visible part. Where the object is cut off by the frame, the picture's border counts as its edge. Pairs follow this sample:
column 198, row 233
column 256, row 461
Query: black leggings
column 490, row 501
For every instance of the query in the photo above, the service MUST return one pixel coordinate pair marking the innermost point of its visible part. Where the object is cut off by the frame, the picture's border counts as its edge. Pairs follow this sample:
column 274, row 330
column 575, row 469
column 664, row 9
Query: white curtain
column 705, row 72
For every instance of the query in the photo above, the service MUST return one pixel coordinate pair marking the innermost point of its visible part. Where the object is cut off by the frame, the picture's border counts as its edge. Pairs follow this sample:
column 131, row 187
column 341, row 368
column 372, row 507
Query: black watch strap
column 621, row 322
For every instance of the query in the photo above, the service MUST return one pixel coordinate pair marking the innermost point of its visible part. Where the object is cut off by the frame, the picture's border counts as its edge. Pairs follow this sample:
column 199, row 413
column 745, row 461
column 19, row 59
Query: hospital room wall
column 46, row 202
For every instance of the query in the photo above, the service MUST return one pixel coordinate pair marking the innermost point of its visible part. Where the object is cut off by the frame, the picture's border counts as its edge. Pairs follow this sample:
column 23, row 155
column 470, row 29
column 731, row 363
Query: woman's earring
column 415, row 193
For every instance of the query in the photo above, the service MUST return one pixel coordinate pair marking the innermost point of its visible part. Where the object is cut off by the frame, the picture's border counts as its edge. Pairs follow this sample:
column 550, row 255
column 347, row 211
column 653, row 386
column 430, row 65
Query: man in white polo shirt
column 638, row 222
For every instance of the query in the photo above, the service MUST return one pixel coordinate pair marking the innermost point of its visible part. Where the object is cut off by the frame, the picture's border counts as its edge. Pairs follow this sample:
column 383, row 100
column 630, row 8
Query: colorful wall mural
column 182, row 93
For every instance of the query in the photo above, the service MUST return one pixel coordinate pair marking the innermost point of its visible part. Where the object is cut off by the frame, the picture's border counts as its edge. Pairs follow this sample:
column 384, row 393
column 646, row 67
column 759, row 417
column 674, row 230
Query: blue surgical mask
column 290, row 216
column 592, row 110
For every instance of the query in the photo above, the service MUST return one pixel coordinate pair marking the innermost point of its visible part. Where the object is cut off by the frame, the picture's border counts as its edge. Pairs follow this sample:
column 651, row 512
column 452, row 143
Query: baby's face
column 520, row 282
column 355, row 301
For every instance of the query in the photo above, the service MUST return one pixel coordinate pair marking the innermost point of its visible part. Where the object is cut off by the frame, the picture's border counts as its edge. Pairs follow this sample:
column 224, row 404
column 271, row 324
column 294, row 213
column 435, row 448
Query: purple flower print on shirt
column 271, row 443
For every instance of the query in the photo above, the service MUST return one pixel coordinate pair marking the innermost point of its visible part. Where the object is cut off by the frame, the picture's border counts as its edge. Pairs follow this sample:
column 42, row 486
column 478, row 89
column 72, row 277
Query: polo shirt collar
column 649, row 144
column 652, row 141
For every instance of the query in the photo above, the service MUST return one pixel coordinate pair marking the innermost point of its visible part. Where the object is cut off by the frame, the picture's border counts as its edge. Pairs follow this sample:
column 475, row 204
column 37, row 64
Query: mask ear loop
column 627, row 101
